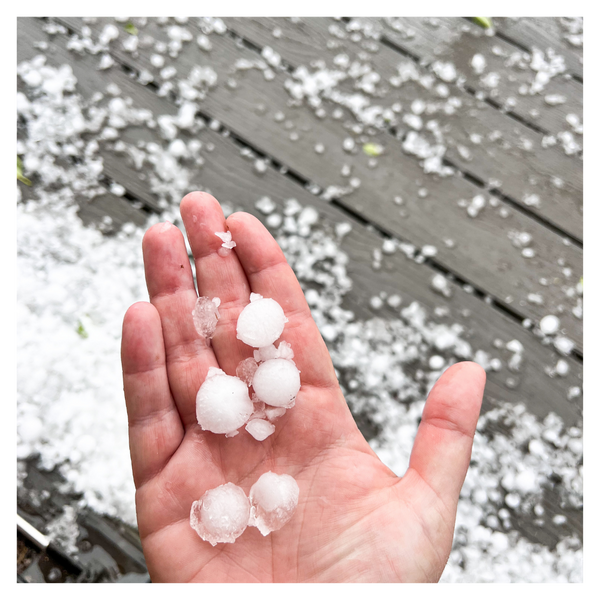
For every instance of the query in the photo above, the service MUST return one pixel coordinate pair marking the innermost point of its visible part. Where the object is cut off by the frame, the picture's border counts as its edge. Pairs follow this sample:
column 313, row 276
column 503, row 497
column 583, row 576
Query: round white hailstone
column 261, row 322
column 223, row 404
column 436, row 362
column 549, row 324
column 273, row 499
column 562, row 368
column 221, row 515
column 260, row 429
column 276, row 382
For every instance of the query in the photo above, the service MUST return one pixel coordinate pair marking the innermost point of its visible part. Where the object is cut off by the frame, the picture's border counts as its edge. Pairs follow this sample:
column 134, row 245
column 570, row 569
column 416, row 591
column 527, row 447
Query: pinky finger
column 155, row 427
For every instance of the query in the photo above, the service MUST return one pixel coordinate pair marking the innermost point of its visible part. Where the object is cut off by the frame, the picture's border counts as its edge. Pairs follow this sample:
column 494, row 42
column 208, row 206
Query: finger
column 172, row 292
column 216, row 275
column 270, row 275
column 155, row 428
column 442, row 448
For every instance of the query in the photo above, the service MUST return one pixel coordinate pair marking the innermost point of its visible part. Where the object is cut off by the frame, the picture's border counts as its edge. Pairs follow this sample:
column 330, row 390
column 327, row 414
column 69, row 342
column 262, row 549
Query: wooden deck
column 490, row 278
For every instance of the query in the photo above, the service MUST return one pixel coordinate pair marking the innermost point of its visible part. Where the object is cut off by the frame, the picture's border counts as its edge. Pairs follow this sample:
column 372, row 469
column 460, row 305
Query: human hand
column 355, row 520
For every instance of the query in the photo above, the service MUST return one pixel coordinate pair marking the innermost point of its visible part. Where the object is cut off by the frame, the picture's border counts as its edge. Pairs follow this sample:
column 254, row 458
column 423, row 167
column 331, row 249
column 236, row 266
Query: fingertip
column 241, row 220
column 156, row 231
column 257, row 248
column 141, row 339
column 444, row 440
column 139, row 312
column 468, row 378
column 194, row 201
column 467, row 369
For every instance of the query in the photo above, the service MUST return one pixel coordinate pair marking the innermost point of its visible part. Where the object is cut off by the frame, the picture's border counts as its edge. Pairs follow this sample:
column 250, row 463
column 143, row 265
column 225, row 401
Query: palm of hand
column 355, row 521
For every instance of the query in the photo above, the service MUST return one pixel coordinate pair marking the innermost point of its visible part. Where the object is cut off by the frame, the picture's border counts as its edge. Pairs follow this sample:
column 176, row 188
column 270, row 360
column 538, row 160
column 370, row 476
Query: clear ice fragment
column 261, row 322
column 277, row 382
column 273, row 413
column 260, row 429
column 222, row 403
column 273, row 500
column 206, row 315
column 246, row 369
column 259, row 410
column 221, row 515
column 284, row 350
column 226, row 238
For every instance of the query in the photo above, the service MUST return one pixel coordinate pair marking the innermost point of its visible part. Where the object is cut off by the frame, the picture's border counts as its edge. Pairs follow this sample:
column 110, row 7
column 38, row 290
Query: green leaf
column 484, row 21
column 131, row 29
column 372, row 149
column 81, row 330
column 20, row 175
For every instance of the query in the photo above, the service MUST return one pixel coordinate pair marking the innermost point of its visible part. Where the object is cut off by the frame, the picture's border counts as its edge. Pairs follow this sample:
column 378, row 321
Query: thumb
column 442, row 449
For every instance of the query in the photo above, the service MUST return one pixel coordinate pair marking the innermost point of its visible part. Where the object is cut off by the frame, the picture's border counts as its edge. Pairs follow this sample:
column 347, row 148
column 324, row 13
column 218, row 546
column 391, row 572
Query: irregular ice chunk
column 276, row 382
column 246, row 369
column 223, row 404
column 260, row 429
column 221, row 515
column 274, row 413
column 259, row 408
column 268, row 352
column 206, row 315
column 226, row 237
column 261, row 322
column 273, row 501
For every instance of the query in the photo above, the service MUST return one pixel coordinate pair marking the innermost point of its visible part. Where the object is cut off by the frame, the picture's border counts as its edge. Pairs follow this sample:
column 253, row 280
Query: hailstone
column 261, row 322
column 276, row 382
column 273, row 500
column 221, row 515
column 222, row 403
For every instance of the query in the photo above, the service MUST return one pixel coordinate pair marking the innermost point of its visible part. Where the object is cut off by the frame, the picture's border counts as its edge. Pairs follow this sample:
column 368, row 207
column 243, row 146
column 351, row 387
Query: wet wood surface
column 491, row 280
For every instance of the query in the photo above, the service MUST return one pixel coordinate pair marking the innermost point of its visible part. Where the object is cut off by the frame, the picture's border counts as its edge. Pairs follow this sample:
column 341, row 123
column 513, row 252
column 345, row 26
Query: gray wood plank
column 543, row 32
column 456, row 40
column 519, row 171
column 233, row 180
column 483, row 254
column 230, row 175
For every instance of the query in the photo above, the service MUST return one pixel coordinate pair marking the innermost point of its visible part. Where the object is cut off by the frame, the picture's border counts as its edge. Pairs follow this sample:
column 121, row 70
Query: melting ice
column 223, row 404
column 274, row 499
column 223, row 513
column 206, row 315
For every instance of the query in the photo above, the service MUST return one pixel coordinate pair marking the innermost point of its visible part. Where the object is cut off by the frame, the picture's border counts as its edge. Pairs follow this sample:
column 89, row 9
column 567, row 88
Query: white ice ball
column 221, row 515
column 223, row 404
column 274, row 499
column 276, row 382
column 550, row 324
column 261, row 322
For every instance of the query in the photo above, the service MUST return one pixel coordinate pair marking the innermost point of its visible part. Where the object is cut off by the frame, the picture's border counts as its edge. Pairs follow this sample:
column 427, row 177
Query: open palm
column 356, row 520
